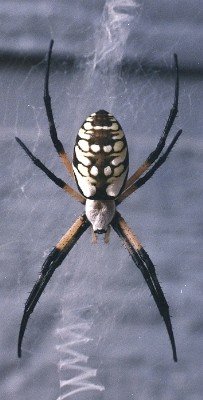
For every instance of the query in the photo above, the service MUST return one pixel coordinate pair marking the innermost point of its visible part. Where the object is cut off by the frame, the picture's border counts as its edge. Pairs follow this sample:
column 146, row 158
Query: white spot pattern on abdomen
column 100, row 157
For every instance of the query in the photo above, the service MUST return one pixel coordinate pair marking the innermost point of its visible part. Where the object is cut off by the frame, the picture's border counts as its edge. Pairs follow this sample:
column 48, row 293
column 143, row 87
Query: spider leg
column 150, row 173
column 143, row 262
column 53, row 261
column 52, row 128
column 155, row 154
column 59, row 182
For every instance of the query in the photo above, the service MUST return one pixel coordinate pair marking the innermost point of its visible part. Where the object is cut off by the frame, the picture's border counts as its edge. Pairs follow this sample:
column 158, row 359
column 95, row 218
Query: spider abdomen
column 100, row 160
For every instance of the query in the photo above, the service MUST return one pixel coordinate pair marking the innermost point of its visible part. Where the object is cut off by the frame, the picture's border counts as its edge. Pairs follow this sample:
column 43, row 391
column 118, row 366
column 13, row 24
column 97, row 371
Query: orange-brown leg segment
column 59, row 182
column 155, row 154
column 107, row 235
column 143, row 262
column 52, row 262
column 52, row 128
column 140, row 182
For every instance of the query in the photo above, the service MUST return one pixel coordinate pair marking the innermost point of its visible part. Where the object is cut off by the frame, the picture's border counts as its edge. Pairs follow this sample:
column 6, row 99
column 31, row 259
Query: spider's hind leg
column 143, row 262
column 54, row 259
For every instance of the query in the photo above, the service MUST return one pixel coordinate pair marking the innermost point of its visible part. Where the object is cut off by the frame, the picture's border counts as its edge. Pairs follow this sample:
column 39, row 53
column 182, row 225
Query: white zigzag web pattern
column 74, row 362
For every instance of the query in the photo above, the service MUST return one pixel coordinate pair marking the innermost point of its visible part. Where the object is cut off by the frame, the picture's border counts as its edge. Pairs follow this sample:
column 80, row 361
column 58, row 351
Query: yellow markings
column 95, row 148
column 88, row 126
column 107, row 148
column 82, row 157
column 118, row 170
column 107, row 171
column 83, row 144
column 118, row 146
column 114, row 188
column 114, row 126
column 84, row 170
column 83, row 134
column 102, row 127
column 94, row 171
column 120, row 158
column 86, row 183
column 118, row 135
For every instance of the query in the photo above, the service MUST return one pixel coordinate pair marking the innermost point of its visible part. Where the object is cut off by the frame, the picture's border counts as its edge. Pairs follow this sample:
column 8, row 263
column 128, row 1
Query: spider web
column 80, row 369
column 94, row 287
column 77, row 334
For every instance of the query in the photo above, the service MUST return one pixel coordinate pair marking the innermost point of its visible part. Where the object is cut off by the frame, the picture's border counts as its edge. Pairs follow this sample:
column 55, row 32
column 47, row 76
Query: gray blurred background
column 96, row 332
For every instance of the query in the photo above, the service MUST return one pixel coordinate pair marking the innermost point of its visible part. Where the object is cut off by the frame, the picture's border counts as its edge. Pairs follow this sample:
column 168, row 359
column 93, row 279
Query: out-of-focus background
column 96, row 332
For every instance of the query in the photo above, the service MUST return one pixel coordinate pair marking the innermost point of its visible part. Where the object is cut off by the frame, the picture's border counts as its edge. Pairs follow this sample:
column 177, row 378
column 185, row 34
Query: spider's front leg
column 52, row 128
column 53, row 261
column 143, row 262
column 156, row 153
column 59, row 182
column 141, row 181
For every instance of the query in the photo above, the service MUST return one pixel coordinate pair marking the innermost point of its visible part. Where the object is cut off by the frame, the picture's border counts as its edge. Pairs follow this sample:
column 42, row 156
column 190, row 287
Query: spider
column 100, row 168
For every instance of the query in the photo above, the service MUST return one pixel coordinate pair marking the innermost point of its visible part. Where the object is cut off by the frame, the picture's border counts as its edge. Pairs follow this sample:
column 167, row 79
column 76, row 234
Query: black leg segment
column 158, row 163
column 47, row 101
column 59, row 182
column 52, row 128
column 52, row 262
column 172, row 115
column 143, row 262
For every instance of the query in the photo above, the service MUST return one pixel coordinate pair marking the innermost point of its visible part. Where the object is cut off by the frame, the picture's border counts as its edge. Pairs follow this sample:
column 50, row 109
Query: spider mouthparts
column 100, row 231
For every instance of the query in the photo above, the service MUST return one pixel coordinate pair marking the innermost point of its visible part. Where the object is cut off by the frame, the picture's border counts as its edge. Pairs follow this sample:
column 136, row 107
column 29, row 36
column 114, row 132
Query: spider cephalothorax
column 100, row 167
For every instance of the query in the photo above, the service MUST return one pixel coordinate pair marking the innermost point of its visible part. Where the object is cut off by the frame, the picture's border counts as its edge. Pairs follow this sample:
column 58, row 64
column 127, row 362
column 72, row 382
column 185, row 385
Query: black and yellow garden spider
column 100, row 167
